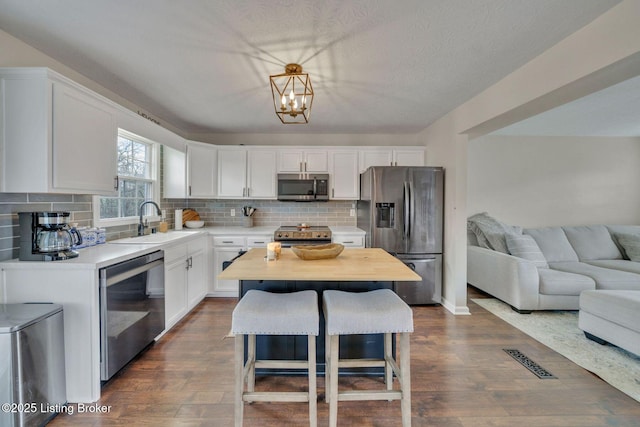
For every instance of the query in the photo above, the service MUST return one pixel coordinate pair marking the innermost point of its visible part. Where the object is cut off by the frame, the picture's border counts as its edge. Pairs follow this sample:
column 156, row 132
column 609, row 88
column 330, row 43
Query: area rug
column 559, row 331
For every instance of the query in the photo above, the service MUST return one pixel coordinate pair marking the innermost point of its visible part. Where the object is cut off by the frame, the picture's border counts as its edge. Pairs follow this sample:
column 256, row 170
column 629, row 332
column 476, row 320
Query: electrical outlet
column 352, row 212
column 233, row 212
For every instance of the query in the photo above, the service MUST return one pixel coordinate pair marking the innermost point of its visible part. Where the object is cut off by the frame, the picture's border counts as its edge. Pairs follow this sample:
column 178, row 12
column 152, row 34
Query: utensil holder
column 248, row 221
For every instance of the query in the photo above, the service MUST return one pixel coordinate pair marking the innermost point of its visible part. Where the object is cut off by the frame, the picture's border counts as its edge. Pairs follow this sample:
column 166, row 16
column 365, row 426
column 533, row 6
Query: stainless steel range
column 302, row 235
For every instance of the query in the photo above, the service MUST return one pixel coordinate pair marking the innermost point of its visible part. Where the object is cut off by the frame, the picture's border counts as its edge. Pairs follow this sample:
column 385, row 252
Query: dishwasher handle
column 105, row 281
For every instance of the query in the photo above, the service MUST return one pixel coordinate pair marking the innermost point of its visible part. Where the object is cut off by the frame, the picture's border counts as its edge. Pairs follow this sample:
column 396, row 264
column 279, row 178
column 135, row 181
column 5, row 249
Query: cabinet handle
column 189, row 190
column 333, row 193
column 187, row 266
column 348, row 241
column 248, row 189
column 227, row 241
column 305, row 166
column 116, row 183
column 301, row 167
column 190, row 262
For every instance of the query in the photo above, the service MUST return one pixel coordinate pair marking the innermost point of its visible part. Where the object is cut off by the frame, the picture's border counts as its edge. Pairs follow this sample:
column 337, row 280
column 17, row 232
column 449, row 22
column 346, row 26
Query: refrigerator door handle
column 411, row 207
column 406, row 207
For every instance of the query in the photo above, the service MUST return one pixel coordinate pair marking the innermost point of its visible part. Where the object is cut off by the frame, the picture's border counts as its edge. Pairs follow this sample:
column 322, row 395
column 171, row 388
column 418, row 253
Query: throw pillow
column 525, row 247
column 631, row 245
column 490, row 232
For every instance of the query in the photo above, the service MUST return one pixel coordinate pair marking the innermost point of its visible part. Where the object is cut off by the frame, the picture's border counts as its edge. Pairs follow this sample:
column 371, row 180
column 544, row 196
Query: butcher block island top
column 353, row 264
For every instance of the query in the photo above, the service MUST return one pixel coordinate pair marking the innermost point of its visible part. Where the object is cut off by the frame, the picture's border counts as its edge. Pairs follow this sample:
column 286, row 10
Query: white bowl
column 194, row 224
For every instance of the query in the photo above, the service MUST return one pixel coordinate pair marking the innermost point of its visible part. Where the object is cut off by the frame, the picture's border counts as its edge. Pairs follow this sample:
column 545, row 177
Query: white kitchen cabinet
column 247, row 173
column 260, row 241
column 391, row 157
column 174, row 173
column 298, row 160
column 344, row 179
column 349, row 240
column 185, row 278
column 409, row 157
column 175, row 284
column 57, row 137
column 225, row 248
column 202, row 174
column 197, row 285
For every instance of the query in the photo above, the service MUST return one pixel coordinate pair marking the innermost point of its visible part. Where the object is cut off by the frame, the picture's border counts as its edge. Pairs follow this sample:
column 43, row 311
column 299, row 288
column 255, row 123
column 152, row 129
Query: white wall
column 545, row 181
column 605, row 52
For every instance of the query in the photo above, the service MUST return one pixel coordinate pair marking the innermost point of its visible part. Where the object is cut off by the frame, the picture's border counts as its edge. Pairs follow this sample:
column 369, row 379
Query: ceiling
column 377, row 66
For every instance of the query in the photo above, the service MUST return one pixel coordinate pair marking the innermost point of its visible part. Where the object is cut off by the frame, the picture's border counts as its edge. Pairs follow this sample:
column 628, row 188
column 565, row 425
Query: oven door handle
column 109, row 281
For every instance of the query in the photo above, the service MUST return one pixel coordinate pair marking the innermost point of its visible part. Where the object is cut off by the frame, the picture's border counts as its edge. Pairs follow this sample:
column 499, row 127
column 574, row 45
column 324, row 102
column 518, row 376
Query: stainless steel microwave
column 303, row 187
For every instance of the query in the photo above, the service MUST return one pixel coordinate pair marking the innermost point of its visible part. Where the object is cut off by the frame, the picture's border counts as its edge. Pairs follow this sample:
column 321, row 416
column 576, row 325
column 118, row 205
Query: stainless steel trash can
column 32, row 369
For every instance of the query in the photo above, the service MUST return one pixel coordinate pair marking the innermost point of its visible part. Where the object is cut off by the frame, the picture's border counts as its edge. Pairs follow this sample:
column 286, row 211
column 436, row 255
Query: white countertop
column 116, row 251
column 109, row 253
column 270, row 229
column 241, row 231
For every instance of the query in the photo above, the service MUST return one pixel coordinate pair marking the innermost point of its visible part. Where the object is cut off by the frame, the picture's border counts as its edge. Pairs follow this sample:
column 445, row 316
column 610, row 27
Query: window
column 137, row 182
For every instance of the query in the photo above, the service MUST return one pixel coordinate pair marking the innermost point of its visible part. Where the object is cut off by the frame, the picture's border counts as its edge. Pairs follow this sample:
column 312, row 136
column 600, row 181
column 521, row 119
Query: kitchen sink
column 154, row 239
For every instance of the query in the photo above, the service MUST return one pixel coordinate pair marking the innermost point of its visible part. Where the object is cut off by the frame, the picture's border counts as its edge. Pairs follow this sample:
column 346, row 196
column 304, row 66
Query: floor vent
column 538, row 370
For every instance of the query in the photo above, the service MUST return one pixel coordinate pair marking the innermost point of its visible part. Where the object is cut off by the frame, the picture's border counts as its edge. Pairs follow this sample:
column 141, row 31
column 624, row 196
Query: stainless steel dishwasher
column 131, row 310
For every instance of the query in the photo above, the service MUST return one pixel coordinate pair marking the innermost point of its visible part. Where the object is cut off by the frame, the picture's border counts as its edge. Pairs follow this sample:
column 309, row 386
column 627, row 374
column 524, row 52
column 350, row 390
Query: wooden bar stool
column 379, row 311
column 266, row 313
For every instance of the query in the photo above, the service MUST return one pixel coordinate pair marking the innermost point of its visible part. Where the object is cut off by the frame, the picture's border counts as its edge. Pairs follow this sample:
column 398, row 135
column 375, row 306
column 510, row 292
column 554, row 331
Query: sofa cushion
column 622, row 229
column 631, row 245
column 554, row 282
column 617, row 264
column 490, row 232
column 524, row 246
column 605, row 278
column 553, row 243
column 592, row 242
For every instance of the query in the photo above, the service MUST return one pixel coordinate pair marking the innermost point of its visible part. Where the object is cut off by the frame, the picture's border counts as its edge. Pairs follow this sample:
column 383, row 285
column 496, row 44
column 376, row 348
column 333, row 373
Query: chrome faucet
column 141, row 224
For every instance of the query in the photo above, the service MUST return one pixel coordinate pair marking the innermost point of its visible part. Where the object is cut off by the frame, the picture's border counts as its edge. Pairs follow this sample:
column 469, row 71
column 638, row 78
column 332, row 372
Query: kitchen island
column 354, row 270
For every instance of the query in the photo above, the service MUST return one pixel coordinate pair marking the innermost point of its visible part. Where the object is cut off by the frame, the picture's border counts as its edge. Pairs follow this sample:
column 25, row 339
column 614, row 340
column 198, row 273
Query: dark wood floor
column 460, row 377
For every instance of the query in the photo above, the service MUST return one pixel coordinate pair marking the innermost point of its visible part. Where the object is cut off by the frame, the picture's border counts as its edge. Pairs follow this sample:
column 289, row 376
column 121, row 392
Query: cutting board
column 189, row 215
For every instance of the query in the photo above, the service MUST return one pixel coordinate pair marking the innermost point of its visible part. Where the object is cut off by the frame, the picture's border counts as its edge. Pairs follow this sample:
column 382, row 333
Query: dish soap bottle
column 163, row 227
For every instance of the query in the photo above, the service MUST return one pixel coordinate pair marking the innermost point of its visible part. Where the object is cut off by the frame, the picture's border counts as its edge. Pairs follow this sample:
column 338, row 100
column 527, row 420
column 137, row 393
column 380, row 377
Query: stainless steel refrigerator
column 401, row 209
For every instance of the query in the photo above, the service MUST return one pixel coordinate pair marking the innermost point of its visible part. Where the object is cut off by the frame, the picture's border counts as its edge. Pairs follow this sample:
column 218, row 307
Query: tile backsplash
column 213, row 212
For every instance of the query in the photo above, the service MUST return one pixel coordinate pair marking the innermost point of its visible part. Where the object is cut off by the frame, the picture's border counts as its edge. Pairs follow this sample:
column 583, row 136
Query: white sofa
column 550, row 275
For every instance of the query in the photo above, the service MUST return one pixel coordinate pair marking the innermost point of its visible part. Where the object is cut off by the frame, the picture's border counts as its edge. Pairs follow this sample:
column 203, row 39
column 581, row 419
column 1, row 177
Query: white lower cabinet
column 349, row 240
column 175, row 285
column 184, row 278
column 225, row 248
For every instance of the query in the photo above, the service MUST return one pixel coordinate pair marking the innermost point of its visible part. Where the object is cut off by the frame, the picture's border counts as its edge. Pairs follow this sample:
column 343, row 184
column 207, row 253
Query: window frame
column 155, row 180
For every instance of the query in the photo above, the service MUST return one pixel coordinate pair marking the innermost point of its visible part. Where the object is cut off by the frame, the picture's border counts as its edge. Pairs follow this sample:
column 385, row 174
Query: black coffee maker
column 46, row 236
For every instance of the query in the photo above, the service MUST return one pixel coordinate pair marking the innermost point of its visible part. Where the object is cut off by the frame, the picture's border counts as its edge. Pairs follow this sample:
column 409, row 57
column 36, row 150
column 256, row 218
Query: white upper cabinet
column 174, row 174
column 232, row 173
column 261, row 174
column 391, row 157
column 409, row 157
column 56, row 136
column 202, row 173
column 293, row 160
column 375, row 158
column 345, row 179
column 246, row 173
